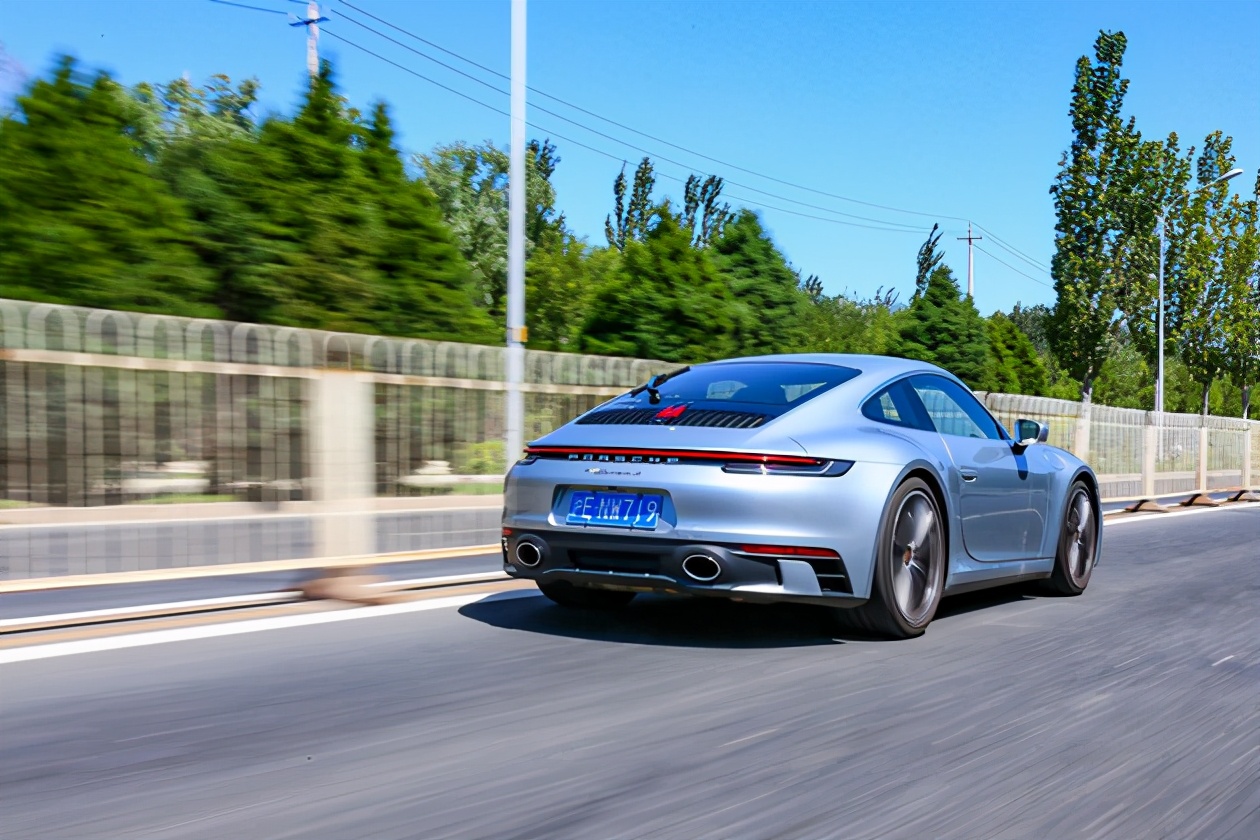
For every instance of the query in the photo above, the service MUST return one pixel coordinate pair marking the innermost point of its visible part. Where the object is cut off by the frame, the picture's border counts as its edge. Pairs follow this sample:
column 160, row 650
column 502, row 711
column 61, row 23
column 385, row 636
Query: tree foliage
column 1093, row 196
column 944, row 328
column 82, row 220
column 632, row 217
column 929, row 258
column 702, row 214
column 667, row 301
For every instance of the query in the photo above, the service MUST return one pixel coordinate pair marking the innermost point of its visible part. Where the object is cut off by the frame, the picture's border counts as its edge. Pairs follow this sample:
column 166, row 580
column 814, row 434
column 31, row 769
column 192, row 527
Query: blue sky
column 957, row 109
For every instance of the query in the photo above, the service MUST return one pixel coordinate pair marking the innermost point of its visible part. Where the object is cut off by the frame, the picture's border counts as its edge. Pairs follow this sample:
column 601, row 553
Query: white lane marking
column 749, row 737
column 1219, row 661
column 1159, row 517
column 279, row 595
column 173, row 606
column 184, row 634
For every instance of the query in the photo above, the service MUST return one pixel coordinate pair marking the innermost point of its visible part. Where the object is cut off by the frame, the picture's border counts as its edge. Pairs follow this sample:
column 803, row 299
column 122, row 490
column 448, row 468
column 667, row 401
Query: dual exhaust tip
column 702, row 568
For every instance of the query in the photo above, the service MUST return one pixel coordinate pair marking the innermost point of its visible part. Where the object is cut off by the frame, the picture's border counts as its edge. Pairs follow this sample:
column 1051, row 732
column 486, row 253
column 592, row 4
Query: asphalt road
column 1130, row 712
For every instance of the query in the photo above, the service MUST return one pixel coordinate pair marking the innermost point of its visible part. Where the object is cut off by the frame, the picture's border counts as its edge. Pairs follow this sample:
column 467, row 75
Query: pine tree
column 82, row 218
column 944, row 328
column 667, row 301
column 769, row 311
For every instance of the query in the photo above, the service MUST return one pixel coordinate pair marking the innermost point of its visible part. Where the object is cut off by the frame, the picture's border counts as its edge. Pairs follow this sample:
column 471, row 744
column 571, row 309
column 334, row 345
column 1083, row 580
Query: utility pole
column 971, row 265
column 311, row 22
column 516, row 333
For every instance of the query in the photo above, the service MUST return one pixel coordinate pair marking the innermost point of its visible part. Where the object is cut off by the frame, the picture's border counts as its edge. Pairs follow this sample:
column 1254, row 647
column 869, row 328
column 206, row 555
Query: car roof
column 870, row 366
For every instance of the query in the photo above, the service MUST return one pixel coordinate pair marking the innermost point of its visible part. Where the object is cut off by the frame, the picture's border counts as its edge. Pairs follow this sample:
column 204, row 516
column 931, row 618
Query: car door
column 998, row 493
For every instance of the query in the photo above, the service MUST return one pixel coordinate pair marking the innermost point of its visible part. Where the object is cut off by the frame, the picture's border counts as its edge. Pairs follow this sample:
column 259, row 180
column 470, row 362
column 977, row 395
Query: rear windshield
column 778, row 386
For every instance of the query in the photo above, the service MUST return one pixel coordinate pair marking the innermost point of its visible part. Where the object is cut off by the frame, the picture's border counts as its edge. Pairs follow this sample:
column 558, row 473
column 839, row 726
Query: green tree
column 1125, row 380
column 1199, row 288
column 1097, row 178
column 422, row 281
column 1241, row 270
column 702, row 214
column 1016, row 366
column 82, row 219
column 768, row 309
column 944, row 328
column 471, row 186
column 560, row 280
column 1033, row 322
column 667, row 302
column 631, row 220
column 929, row 258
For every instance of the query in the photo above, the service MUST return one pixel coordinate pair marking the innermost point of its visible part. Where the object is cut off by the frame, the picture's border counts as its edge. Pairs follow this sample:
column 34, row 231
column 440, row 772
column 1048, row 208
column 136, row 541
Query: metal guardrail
column 106, row 410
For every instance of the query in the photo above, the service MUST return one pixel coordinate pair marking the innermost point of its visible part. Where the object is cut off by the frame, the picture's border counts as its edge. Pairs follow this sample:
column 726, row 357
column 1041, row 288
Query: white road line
column 174, row 606
column 279, row 595
column 749, row 737
column 185, row 634
column 1219, row 661
column 1159, row 517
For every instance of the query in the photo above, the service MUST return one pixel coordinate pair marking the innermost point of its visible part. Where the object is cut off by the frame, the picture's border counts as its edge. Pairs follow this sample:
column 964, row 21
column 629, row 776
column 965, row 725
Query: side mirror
column 1028, row 432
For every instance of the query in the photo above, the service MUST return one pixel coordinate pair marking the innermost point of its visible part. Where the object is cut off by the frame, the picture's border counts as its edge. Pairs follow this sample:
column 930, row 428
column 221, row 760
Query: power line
column 1014, row 269
column 629, row 128
column 625, row 143
column 880, row 224
column 1012, row 250
column 254, row 8
column 598, row 151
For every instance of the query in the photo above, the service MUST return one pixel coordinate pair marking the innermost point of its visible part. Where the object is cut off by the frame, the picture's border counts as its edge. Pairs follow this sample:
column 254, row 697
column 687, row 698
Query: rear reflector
column 788, row 551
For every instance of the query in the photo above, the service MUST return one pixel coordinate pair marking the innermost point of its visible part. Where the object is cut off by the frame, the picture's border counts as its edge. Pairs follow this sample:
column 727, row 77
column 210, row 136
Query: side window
column 895, row 405
column 954, row 411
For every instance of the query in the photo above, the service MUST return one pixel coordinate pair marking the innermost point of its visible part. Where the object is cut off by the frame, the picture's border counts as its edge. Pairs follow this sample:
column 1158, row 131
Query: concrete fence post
column 343, row 462
column 1201, row 468
column 1150, row 442
column 1080, row 443
column 1246, row 464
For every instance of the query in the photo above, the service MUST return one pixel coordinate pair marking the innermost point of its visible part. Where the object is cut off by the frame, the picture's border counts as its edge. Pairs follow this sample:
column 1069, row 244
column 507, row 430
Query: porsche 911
column 872, row 485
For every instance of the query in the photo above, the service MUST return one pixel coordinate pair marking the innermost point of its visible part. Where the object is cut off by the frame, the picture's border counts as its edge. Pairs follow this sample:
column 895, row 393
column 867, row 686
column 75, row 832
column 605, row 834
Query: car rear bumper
column 675, row 566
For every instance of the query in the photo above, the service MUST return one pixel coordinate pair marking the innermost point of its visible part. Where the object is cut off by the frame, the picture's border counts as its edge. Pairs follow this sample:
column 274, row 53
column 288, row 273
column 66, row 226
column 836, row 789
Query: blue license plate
column 614, row 510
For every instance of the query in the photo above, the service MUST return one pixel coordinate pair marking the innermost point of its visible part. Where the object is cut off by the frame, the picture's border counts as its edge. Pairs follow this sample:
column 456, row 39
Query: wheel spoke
column 1082, row 511
column 1073, row 559
column 926, row 518
column 902, row 587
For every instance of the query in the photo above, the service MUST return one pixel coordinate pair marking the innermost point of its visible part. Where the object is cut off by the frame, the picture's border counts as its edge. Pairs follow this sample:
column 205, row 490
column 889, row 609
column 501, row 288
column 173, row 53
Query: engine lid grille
column 718, row 418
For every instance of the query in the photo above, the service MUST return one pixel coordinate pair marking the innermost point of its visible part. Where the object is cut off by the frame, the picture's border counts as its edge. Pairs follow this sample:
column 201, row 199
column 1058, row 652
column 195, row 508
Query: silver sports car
column 871, row 484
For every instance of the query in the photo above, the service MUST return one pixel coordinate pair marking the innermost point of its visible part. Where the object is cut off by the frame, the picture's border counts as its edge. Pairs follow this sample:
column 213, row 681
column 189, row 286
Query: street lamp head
column 1233, row 173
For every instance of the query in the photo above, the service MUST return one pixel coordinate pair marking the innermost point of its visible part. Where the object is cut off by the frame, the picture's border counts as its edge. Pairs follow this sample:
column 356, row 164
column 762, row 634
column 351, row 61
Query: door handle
column 969, row 475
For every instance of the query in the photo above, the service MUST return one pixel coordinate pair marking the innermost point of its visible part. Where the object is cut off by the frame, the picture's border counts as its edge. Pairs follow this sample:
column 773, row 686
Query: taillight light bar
column 788, row 551
column 731, row 462
column 672, row 456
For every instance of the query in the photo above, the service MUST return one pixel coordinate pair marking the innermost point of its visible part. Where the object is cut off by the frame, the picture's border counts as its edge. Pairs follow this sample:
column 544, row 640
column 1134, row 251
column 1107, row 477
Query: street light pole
column 1163, row 222
column 516, row 335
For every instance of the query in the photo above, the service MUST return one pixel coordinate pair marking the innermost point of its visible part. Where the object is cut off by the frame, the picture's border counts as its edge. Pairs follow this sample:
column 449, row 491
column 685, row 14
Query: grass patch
column 14, row 504
column 185, row 499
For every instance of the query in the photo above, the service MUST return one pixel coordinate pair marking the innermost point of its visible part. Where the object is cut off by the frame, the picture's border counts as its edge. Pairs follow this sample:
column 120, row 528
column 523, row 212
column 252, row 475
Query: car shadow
column 707, row 622
column 665, row 621
column 983, row 599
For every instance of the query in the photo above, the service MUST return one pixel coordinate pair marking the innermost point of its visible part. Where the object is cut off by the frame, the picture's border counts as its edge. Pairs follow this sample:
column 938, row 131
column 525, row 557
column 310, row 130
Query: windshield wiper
column 653, row 385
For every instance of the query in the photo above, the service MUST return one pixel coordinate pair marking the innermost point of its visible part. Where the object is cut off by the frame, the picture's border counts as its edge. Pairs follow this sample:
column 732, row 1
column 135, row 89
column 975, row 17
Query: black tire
column 909, row 567
column 1077, row 552
column 581, row 598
